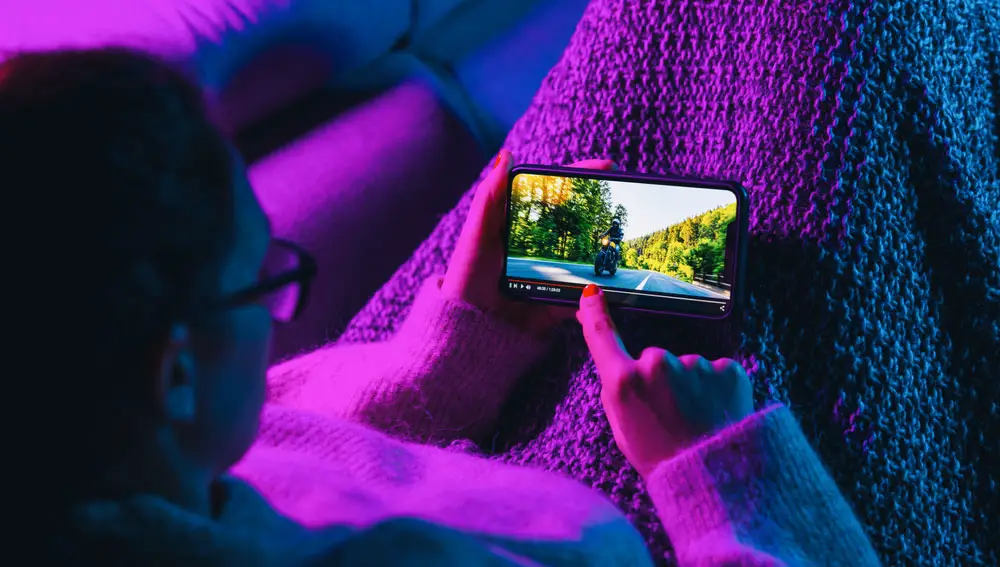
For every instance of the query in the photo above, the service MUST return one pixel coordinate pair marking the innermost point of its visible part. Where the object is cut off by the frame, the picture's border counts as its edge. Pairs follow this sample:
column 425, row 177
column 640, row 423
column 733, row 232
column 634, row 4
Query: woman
column 866, row 135
column 161, row 388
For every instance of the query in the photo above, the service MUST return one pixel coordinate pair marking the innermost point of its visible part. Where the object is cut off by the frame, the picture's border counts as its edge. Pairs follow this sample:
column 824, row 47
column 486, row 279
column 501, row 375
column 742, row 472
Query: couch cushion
column 251, row 55
column 360, row 192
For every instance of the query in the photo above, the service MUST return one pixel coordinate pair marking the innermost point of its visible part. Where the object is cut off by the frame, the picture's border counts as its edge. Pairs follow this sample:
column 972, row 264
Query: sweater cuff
column 441, row 327
column 461, row 363
column 759, row 477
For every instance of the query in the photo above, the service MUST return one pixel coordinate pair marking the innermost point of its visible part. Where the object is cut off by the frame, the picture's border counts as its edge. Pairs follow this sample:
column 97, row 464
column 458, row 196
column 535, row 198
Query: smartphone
column 656, row 244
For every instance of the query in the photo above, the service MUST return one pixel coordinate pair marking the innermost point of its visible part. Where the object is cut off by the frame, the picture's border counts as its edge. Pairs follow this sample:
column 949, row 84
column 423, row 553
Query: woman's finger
column 609, row 353
column 598, row 164
column 493, row 189
column 695, row 363
column 488, row 205
column 484, row 210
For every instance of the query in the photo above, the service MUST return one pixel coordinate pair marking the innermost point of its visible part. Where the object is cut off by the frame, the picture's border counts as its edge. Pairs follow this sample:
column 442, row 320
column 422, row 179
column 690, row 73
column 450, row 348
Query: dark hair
column 119, row 191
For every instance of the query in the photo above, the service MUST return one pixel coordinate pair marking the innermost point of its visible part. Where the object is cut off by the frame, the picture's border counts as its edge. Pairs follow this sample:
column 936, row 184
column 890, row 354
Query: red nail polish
column 498, row 160
column 591, row 290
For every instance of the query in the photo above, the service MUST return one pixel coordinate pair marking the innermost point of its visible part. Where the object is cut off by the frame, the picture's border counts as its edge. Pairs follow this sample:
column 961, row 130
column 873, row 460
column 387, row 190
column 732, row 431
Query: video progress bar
column 622, row 291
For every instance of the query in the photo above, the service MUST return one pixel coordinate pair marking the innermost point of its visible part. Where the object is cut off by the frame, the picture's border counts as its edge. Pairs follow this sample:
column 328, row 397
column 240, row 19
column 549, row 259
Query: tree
column 558, row 217
column 621, row 213
column 630, row 258
column 693, row 245
column 675, row 251
column 689, row 232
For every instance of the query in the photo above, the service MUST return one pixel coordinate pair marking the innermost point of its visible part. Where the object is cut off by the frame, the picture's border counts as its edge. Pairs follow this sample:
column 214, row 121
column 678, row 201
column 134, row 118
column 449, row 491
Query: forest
column 558, row 218
column 696, row 245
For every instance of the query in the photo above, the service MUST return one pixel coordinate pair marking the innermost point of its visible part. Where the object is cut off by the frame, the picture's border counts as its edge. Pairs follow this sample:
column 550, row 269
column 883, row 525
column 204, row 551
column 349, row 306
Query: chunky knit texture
column 867, row 134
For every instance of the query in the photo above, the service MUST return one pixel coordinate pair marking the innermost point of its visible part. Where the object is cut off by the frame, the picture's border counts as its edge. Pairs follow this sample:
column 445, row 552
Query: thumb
column 605, row 344
column 486, row 213
column 491, row 195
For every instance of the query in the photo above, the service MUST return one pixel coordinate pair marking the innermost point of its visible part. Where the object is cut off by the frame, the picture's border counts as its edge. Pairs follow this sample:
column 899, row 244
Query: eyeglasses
column 284, row 283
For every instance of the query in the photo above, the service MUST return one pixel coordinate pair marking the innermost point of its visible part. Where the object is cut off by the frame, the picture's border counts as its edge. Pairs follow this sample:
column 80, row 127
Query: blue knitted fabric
column 868, row 135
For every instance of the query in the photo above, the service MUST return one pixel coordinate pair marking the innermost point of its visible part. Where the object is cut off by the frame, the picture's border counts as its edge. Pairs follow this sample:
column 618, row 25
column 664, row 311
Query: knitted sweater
column 868, row 135
column 754, row 494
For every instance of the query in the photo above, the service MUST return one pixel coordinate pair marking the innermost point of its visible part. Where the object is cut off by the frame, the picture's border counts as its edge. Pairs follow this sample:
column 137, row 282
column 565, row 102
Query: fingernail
column 498, row 160
column 591, row 290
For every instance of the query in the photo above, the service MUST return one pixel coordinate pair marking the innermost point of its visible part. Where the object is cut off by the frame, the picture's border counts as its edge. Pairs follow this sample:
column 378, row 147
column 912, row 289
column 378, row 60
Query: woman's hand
column 474, row 272
column 659, row 404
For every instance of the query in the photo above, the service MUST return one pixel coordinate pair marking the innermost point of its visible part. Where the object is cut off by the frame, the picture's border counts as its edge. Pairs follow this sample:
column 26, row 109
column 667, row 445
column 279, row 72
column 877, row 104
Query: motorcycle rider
column 615, row 234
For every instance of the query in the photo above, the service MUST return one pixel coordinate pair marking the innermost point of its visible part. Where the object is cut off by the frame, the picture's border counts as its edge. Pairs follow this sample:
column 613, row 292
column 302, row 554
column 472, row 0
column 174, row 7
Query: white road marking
column 558, row 272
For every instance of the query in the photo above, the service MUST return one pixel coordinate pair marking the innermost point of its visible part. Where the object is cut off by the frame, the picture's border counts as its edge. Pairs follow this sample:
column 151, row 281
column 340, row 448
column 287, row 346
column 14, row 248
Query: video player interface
column 648, row 245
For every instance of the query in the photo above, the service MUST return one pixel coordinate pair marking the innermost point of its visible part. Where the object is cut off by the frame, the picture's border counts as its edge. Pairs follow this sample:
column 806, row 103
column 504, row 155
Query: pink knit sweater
column 335, row 482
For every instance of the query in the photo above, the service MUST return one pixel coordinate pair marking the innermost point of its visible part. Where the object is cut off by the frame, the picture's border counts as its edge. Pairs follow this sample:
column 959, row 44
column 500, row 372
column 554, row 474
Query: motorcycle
column 607, row 257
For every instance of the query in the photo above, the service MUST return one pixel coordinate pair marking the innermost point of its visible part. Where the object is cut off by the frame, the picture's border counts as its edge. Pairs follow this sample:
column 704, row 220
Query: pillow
column 251, row 55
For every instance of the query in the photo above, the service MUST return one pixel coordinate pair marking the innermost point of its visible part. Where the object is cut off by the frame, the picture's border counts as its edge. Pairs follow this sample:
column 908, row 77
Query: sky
column 655, row 207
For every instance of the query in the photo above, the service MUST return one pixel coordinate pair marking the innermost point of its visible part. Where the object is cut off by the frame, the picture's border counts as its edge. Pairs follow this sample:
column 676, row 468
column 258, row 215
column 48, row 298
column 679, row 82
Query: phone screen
column 654, row 245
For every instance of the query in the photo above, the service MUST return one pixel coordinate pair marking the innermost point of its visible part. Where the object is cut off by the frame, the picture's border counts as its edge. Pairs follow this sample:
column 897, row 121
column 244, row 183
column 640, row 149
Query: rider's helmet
column 615, row 222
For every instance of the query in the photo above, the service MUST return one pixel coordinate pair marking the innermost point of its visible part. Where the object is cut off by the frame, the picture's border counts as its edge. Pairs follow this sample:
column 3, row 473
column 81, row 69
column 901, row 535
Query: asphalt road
column 639, row 280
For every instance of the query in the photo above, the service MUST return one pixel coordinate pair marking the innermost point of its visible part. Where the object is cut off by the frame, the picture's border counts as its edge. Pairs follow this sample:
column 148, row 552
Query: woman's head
column 130, row 222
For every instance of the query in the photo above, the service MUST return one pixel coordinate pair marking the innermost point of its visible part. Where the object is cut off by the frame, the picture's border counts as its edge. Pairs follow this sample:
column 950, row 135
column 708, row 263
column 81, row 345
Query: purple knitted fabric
column 867, row 135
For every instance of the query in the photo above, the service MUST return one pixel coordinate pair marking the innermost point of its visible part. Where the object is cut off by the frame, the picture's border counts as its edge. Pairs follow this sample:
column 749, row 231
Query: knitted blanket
column 868, row 135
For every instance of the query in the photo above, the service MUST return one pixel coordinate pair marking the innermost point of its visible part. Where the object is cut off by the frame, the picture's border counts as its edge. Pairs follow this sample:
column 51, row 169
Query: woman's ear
column 175, row 382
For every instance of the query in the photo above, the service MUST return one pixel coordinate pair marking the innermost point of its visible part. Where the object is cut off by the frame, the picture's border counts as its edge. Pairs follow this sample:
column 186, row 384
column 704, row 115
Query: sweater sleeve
column 442, row 376
column 756, row 494
column 411, row 542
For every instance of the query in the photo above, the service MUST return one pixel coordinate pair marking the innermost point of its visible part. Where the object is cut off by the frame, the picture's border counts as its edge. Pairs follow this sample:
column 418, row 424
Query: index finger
column 605, row 344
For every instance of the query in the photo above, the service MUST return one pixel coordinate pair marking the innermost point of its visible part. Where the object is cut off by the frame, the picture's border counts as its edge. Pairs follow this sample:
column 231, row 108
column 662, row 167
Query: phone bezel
column 742, row 219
